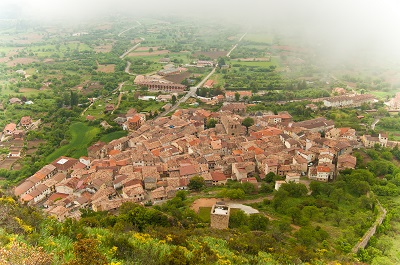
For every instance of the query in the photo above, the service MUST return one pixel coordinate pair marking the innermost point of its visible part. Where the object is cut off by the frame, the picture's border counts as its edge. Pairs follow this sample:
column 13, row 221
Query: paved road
column 245, row 208
column 139, row 24
column 235, row 46
column 128, row 66
column 192, row 92
column 83, row 112
column 374, row 124
column 128, row 51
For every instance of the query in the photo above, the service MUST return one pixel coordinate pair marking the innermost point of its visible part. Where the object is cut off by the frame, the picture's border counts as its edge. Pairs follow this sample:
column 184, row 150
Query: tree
column 196, row 183
column 234, row 194
column 237, row 96
column 238, row 219
column 74, row 99
column 173, row 99
column 310, row 211
column 305, row 236
column 181, row 194
column 211, row 123
column 266, row 188
column 86, row 252
column 296, row 214
column 248, row 188
column 247, row 122
column 258, row 222
column 294, row 189
column 338, row 216
column 151, row 50
column 221, row 62
column 270, row 177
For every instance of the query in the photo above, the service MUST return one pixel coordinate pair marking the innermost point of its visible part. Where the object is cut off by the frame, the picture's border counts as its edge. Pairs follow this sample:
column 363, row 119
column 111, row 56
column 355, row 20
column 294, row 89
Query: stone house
column 370, row 141
column 220, row 216
column 242, row 170
column 136, row 192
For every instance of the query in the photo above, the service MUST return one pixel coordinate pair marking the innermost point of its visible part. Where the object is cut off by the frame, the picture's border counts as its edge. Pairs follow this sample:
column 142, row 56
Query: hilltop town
column 160, row 156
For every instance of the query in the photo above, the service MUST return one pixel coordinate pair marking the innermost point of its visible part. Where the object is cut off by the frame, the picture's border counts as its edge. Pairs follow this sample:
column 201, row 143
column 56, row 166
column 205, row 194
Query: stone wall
column 367, row 236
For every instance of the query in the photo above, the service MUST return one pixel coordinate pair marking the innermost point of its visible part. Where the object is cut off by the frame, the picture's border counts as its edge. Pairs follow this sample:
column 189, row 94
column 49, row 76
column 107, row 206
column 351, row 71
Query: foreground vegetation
column 292, row 227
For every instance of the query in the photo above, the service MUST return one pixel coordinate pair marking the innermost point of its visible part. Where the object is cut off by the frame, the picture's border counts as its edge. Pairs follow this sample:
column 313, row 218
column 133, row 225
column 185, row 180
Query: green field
column 112, row 136
column 260, row 37
column 383, row 94
column 49, row 49
column 98, row 108
column 274, row 61
column 82, row 136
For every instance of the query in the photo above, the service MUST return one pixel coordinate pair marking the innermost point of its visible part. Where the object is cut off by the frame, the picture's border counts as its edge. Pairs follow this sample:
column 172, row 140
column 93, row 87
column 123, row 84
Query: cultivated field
column 178, row 78
column 103, row 48
column 82, row 135
column 16, row 61
column 212, row 54
column 109, row 68
column 143, row 53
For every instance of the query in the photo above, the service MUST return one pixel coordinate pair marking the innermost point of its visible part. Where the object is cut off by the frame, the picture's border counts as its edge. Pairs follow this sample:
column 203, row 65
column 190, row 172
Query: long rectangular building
column 348, row 101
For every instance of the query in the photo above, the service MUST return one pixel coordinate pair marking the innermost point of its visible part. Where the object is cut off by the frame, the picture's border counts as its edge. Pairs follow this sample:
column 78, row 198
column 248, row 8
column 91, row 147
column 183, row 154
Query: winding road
column 191, row 93
column 128, row 65
column 374, row 124
column 139, row 24
column 192, row 90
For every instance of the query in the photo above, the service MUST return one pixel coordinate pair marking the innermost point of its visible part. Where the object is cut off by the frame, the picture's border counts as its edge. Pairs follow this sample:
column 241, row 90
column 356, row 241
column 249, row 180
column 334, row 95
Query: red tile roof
column 323, row 169
column 135, row 119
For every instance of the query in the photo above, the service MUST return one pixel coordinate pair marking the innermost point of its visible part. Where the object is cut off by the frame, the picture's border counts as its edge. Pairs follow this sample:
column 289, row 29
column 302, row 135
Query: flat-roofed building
column 220, row 216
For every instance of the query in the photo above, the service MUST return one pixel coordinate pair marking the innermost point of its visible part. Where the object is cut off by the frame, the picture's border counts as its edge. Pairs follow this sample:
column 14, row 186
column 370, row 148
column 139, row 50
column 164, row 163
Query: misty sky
column 344, row 24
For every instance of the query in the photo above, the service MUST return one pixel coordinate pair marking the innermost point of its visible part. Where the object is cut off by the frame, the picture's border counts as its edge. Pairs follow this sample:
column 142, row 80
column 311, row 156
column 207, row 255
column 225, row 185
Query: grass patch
column 112, row 136
column 82, row 136
column 205, row 214
column 154, row 107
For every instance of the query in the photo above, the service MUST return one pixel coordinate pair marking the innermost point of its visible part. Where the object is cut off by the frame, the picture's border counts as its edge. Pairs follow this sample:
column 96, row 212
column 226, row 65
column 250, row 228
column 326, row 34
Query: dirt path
column 203, row 202
column 119, row 96
column 209, row 202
